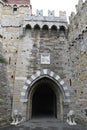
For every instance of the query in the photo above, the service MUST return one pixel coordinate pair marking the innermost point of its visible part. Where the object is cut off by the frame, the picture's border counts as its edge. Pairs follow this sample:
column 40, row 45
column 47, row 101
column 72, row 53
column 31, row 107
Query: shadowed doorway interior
column 44, row 100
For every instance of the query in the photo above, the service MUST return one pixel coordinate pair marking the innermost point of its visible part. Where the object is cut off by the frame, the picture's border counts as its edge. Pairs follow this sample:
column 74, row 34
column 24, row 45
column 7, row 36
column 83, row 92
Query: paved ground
column 44, row 124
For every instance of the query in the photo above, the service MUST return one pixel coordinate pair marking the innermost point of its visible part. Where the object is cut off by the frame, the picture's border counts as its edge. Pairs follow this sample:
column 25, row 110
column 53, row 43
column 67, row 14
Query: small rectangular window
column 14, row 9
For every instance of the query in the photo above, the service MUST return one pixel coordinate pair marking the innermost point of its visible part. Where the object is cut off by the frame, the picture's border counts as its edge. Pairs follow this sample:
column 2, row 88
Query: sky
column 57, row 5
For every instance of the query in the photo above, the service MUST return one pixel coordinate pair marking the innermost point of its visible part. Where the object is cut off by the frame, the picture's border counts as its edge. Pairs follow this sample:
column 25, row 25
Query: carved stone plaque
column 45, row 58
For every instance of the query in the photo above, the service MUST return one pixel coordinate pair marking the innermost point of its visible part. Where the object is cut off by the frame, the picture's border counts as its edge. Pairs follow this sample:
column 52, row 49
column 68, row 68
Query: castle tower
column 41, row 76
column 79, row 6
column 43, row 64
column 36, row 48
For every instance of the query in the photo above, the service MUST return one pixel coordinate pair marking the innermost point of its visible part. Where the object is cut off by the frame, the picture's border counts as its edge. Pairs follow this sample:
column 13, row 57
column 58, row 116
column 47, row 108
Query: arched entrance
column 45, row 93
column 44, row 99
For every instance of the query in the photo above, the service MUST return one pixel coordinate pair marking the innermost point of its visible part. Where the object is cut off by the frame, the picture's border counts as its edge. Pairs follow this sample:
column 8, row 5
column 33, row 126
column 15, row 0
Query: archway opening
column 45, row 31
column 36, row 27
column 54, row 28
column 27, row 30
column 28, row 27
column 45, row 27
column 62, row 31
column 44, row 102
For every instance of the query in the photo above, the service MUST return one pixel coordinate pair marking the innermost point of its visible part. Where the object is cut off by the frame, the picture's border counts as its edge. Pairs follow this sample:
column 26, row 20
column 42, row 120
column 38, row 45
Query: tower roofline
column 25, row 2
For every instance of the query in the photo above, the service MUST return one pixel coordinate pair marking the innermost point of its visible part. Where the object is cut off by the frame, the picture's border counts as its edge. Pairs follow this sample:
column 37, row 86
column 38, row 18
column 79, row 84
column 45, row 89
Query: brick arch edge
column 45, row 73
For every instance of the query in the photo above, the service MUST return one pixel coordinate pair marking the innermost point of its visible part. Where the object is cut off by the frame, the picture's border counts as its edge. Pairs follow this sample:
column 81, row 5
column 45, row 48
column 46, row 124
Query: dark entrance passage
column 44, row 100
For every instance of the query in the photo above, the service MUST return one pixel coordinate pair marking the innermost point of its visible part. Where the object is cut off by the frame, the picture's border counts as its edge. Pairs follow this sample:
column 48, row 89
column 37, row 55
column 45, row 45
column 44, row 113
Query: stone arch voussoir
column 41, row 74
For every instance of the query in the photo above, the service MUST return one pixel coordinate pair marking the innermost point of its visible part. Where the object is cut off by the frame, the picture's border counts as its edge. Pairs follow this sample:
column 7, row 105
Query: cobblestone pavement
column 44, row 124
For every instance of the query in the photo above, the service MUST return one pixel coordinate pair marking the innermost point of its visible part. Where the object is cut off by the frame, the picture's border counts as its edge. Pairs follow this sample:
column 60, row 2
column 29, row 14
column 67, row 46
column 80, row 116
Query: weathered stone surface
column 5, row 95
column 27, row 37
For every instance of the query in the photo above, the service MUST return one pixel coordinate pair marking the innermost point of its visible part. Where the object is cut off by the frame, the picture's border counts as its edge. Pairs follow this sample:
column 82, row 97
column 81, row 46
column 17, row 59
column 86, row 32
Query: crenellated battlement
column 24, row 17
column 51, row 13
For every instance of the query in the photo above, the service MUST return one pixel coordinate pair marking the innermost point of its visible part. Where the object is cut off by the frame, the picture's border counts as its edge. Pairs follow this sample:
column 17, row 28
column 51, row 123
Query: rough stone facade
column 5, row 95
column 78, row 53
column 45, row 48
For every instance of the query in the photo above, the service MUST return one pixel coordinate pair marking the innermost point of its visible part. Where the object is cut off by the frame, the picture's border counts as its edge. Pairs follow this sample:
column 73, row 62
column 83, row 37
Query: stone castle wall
column 27, row 37
column 5, row 95
column 78, row 53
